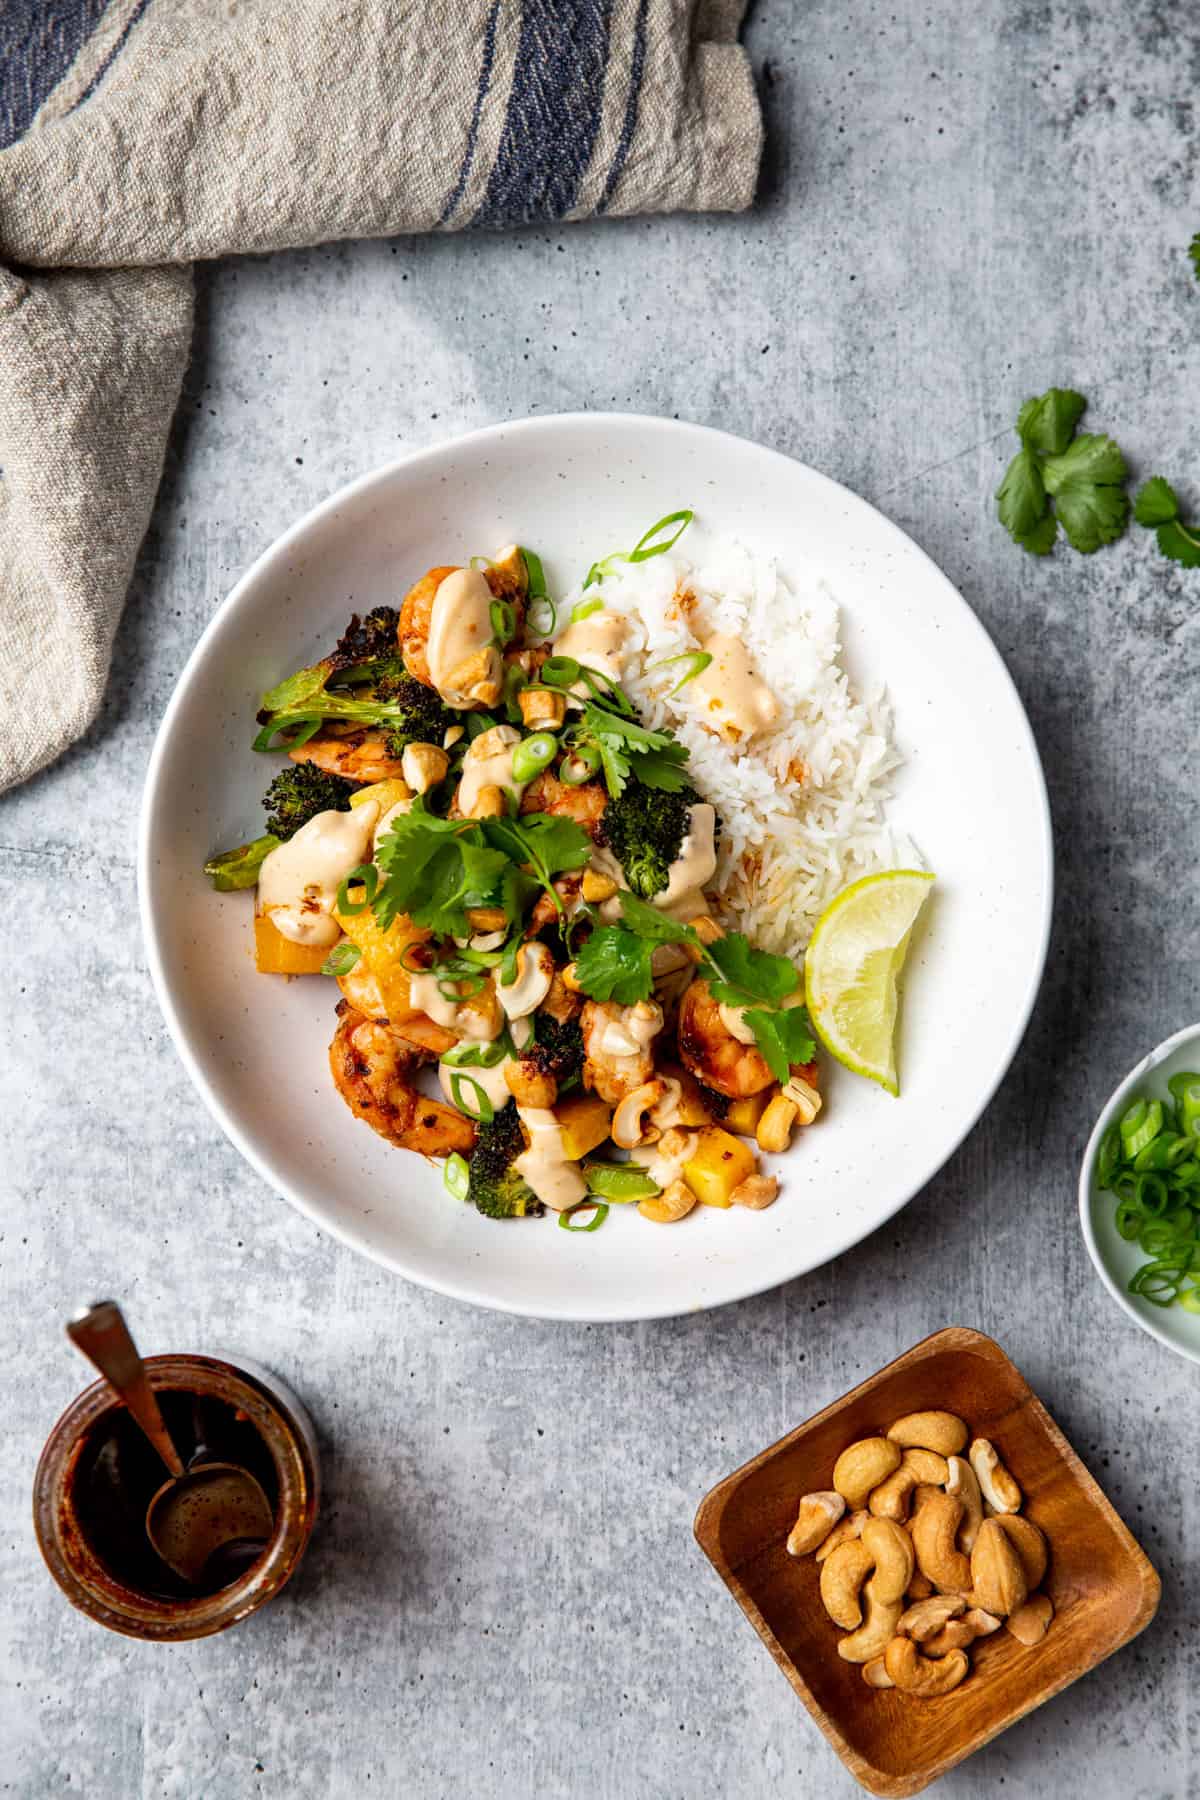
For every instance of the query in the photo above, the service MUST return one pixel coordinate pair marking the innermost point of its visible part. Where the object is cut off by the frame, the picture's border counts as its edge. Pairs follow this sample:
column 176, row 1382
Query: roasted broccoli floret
column 495, row 1187
column 644, row 828
column 364, row 682
column 301, row 791
column 557, row 1049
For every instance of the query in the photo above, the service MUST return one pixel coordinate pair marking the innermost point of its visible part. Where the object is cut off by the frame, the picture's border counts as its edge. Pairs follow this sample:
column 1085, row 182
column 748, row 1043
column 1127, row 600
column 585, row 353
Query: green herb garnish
column 1082, row 476
column 1157, row 508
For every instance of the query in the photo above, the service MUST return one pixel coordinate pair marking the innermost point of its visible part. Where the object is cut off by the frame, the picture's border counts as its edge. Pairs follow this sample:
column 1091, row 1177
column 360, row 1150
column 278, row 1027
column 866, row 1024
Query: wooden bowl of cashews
column 927, row 1560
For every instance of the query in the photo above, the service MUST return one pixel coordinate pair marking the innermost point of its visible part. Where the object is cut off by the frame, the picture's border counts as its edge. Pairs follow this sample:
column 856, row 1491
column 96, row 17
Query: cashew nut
column 475, row 681
column 981, row 1623
column 756, row 1192
column 1030, row 1622
column 862, row 1466
column 933, row 1533
column 961, row 1482
column 596, row 887
column 774, row 1130
column 489, row 803
column 940, row 1431
column 628, row 1130
column 997, row 1577
column 920, row 1676
column 1029, row 1544
column 929, row 1468
column 928, row 1616
column 675, row 1202
column 849, row 1529
column 890, row 1499
column 818, row 1515
column 920, row 1587
column 423, row 765
column 956, row 1634
column 535, row 972
column 804, row 1097
column 875, row 1633
column 541, row 708
column 875, row 1674
column 891, row 1549
column 842, row 1575
column 998, row 1486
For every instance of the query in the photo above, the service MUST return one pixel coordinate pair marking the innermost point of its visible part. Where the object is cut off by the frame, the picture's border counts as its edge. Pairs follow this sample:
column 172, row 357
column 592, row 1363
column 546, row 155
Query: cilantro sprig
column 1057, row 478
column 625, row 747
column 1157, row 508
column 1194, row 253
column 615, row 964
column 433, row 869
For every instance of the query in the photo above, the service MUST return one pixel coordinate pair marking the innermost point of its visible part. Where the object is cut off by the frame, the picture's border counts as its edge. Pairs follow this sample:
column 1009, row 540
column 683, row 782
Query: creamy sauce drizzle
column 730, row 696
column 488, row 763
column 476, row 1019
column 490, row 1080
column 555, row 1180
column 460, row 623
column 299, row 881
column 664, row 1161
column 388, row 820
column 695, row 865
column 597, row 642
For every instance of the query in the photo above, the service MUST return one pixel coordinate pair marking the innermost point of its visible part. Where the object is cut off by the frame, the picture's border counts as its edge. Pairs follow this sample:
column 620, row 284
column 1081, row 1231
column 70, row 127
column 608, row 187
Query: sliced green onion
column 1141, row 1125
column 365, row 876
column 645, row 548
column 1186, row 1089
column 1162, row 1152
column 508, row 962
column 559, row 671
column 515, row 680
column 1190, row 1300
column 1160, row 1282
column 416, row 949
column 532, row 755
column 503, row 615
column 1109, row 1159
column 290, row 738
column 583, row 609
column 1129, row 1217
column 535, row 575
column 462, row 1056
column 697, row 661
column 541, row 607
column 478, row 723
column 595, row 1209
column 479, row 563
column 461, row 987
column 580, row 765
column 456, row 1176
column 1151, row 1193
column 619, row 1181
column 342, row 958
column 486, row 1111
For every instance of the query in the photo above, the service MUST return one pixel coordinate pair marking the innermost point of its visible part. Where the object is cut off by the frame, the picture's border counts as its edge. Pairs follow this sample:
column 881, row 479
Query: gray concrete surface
column 962, row 205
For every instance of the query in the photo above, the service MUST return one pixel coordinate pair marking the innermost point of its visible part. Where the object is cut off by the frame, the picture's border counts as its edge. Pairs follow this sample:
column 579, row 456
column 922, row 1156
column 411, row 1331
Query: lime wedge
column 851, row 967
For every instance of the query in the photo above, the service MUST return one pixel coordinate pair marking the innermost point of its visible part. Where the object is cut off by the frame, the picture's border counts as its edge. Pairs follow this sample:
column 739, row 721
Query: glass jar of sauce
column 97, row 1475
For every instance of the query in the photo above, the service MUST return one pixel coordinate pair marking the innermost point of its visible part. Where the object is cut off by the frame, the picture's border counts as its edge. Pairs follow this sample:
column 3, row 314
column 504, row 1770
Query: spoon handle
column 101, row 1333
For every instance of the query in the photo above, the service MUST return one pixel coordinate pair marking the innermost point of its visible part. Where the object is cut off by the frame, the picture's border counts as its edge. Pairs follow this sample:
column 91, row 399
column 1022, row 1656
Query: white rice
column 802, row 805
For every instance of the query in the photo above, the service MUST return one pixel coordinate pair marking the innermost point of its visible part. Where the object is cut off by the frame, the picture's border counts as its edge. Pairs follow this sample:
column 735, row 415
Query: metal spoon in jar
column 207, row 1516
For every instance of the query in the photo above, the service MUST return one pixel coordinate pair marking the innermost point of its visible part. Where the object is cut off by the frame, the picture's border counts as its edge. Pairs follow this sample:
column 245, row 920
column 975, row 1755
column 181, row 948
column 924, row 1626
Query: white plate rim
column 481, row 438
column 1108, row 1113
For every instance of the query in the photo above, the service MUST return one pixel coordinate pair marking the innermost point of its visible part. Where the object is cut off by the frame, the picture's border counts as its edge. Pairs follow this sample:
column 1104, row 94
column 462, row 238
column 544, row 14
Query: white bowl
column 1117, row 1261
column 971, row 795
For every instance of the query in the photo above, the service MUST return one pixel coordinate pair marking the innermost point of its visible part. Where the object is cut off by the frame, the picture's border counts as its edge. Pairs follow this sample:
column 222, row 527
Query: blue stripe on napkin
column 554, row 112
column 38, row 44
column 485, row 77
column 637, row 68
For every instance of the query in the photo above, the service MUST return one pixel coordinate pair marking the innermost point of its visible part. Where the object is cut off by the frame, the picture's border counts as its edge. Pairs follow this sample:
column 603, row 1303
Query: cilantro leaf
column 614, row 964
column 418, row 857
column 1092, row 460
column 1181, row 544
column 550, row 842
column 1040, row 541
column 784, row 1037
column 663, row 769
column 618, row 739
column 651, row 923
column 1047, row 423
column 1091, row 505
column 1021, row 496
column 1156, row 502
column 1194, row 253
column 750, row 974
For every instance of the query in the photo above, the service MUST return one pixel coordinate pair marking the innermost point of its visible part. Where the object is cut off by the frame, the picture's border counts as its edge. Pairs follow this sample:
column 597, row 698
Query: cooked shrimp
column 375, row 1073
column 616, row 1043
column 359, row 756
column 710, row 1052
column 507, row 580
column 585, row 804
column 415, row 615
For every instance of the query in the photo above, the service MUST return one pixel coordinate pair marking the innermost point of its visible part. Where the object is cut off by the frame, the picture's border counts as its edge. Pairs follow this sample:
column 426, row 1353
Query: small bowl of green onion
column 1139, row 1193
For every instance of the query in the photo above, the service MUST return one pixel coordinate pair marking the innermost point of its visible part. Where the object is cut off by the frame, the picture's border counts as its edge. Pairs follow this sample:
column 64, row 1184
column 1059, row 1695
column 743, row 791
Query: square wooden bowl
column 1103, row 1587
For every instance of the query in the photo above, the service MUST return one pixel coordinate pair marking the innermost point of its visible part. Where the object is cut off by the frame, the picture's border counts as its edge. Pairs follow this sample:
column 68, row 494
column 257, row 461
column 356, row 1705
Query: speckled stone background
column 962, row 205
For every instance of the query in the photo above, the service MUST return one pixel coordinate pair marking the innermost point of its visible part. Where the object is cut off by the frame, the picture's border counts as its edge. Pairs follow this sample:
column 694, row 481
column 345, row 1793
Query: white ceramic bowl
column 971, row 795
column 1117, row 1261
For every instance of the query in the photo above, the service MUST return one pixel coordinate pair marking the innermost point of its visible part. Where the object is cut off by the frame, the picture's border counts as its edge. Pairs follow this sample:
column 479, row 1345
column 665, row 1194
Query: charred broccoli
column 644, row 828
column 495, row 1187
column 557, row 1049
column 364, row 682
column 301, row 791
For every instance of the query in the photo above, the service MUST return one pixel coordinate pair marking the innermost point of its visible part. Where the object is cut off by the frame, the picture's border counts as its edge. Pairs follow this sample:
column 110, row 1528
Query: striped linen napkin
column 137, row 136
